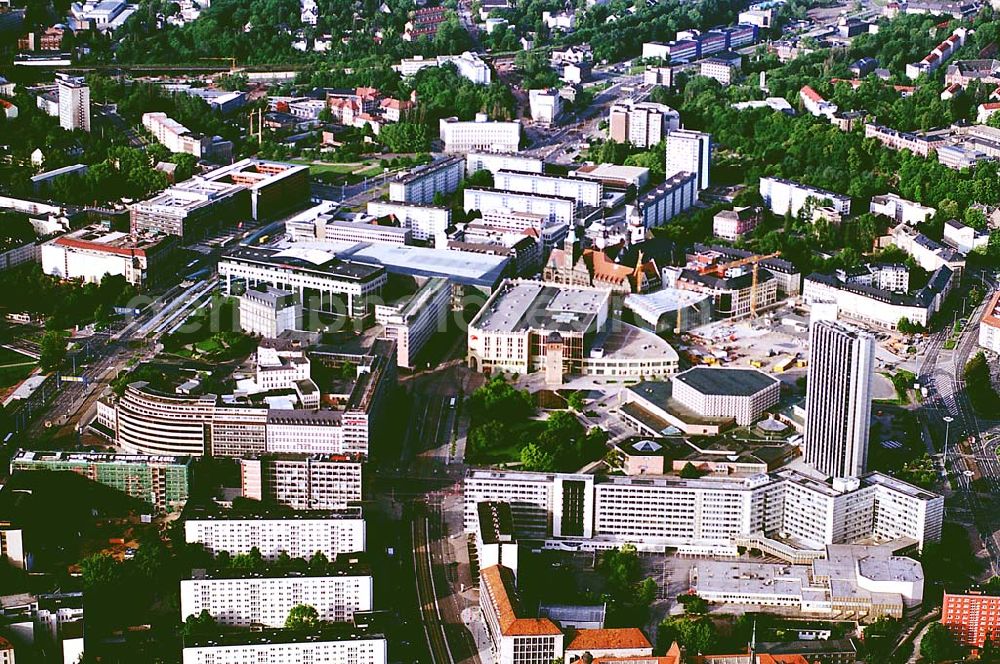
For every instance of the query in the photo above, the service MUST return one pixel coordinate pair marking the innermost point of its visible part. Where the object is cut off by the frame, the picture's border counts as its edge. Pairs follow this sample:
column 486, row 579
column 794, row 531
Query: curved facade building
column 150, row 422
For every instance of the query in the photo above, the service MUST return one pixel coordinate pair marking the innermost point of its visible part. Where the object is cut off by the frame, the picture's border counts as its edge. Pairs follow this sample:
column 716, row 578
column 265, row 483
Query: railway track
column 430, row 612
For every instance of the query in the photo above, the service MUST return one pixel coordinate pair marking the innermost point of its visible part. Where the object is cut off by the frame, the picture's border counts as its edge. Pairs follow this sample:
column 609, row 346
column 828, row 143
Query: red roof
column 500, row 582
column 811, row 94
column 991, row 106
column 97, row 246
column 628, row 638
column 6, row 104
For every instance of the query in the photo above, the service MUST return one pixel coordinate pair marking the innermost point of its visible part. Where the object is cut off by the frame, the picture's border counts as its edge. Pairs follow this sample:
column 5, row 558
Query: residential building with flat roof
column 643, row 124
column 586, row 193
column 425, row 222
column 493, row 162
column 972, row 617
column 901, row 210
column 679, row 192
column 333, row 644
column 783, row 196
column 556, row 208
column 422, row 183
column 74, row 103
column 161, row 481
column 304, row 481
column 689, row 152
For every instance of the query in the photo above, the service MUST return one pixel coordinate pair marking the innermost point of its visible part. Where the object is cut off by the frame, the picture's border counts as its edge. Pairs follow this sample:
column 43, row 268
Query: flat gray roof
column 534, row 305
column 726, row 381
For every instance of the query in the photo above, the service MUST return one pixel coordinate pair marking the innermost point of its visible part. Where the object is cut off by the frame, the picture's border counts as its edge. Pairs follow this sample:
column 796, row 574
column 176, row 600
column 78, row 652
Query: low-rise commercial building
column 91, row 253
column 304, row 481
column 161, row 481
column 742, row 394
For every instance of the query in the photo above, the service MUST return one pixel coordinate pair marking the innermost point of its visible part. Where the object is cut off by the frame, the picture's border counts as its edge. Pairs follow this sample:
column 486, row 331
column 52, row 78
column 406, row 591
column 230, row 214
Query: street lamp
column 948, row 419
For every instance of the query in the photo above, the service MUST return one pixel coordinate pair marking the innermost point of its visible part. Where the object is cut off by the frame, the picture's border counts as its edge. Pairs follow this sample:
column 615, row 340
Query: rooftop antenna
column 753, row 643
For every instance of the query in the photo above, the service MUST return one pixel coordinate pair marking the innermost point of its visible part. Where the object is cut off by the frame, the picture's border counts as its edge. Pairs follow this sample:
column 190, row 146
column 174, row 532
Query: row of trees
column 979, row 386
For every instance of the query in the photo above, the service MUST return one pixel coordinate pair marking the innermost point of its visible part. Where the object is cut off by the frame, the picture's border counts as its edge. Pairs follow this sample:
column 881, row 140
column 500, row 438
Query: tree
column 533, row 458
column 319, row 562
column 302, row 617
column 100, row 571
column 938, row 644
column 481, row 178
column 693, row 604
column 200, row 623
column 690, row 471
column 978, row 385
column 53, row 349
column 576, row 401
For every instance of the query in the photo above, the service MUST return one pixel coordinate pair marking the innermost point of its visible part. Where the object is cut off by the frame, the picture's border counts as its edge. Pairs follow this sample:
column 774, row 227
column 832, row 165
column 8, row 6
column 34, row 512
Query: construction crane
column 720, row 269
column 755, row 260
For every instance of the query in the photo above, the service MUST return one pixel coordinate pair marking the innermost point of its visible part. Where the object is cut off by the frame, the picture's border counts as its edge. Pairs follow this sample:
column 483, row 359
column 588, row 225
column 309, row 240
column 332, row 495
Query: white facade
column 838, row 399
column 554, row 209
column 903, row 211
column 710, row 514
column 304, row 482
column 480, row 135
column 881, row 310
column 91, row 253
column 420, row 185
column 742, row 394
column 690, row 152
column 782, row 196
column 989, row 326
column 493, row 162
column 546, row 105
column 929, row 254
column 412, row 324
column 74, row 104
column 175, row 136
column 330, row 534
column 425, row 222
column 965, row 238
column 269, row 313
column 259, row 649
column 468, row 64
column 267, row 600
column 586, row 192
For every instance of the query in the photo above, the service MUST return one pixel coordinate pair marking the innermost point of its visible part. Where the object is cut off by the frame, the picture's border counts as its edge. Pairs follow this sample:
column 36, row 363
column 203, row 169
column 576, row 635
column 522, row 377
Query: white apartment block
column 280, row 369
column 421, row 184
column 545, row 105
column 299, row 536
column 480, row 135
column 269, row 312
column 665, row 201
column 643, row 124
column 468, row 64
column 965, row 238
column 267, row 600
column 554, row 209
column 872, row 306
column 689, row 152
column 989, row 325
column 303, row 482
column 74, row 103
column 901, row 210
column 929, row 254
column 782, row 196
column 938, row 55
column 414, row 322
column 425, row 222
column 286, row 646
column 707, row 515
column 174, row 136
column 493, row 162
column 585, row 192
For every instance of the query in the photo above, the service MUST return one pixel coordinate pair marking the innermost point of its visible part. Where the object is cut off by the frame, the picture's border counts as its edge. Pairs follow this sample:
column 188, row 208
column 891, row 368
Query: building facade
column 300, row 535
column 421, row 184
column 269, row 312
column 643, row 124
column 480, row 135
column 331, row 644
column 691, row 152
column 304, row 482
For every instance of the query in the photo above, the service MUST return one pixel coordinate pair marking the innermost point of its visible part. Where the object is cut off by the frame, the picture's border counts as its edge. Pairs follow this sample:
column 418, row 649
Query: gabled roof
column 628, row 638
column 499, row 582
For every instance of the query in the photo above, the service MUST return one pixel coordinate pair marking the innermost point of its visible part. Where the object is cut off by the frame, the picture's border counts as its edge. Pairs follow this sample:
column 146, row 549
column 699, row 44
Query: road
column 427, row 592
column 941, row 373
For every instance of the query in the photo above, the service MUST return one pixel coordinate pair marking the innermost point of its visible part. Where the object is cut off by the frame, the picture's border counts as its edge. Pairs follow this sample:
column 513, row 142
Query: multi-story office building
column 275, row 188
column 269, row 312
column 553, row 208
column 972, row 617
column 324, row 283
column 93, row 252
column 412, row 323
column 742, row 394
column 191, row 209
column 299, row 534
column 74, row 103
column 707, row 515
column 493, row 162
column 989, row 325
column 838, row 399
column 545, row 105
column 514, row 637
column 332, row 644
column 178, row 138
column 643, row 124
column 255, row 599
column 161, row 481
column 585, row 192
column 303, row 481
column 732, row 296
column 783, row 196
column 480, row 135
column 689, row 152
column 421, row 184
column 147, row 421
column 425, row 222
column 722, row 69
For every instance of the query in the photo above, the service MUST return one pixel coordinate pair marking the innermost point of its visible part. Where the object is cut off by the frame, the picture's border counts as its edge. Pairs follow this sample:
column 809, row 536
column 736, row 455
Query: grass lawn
column 330, row 167
column 13, row 374
column 13, row 357
column 208, row 346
